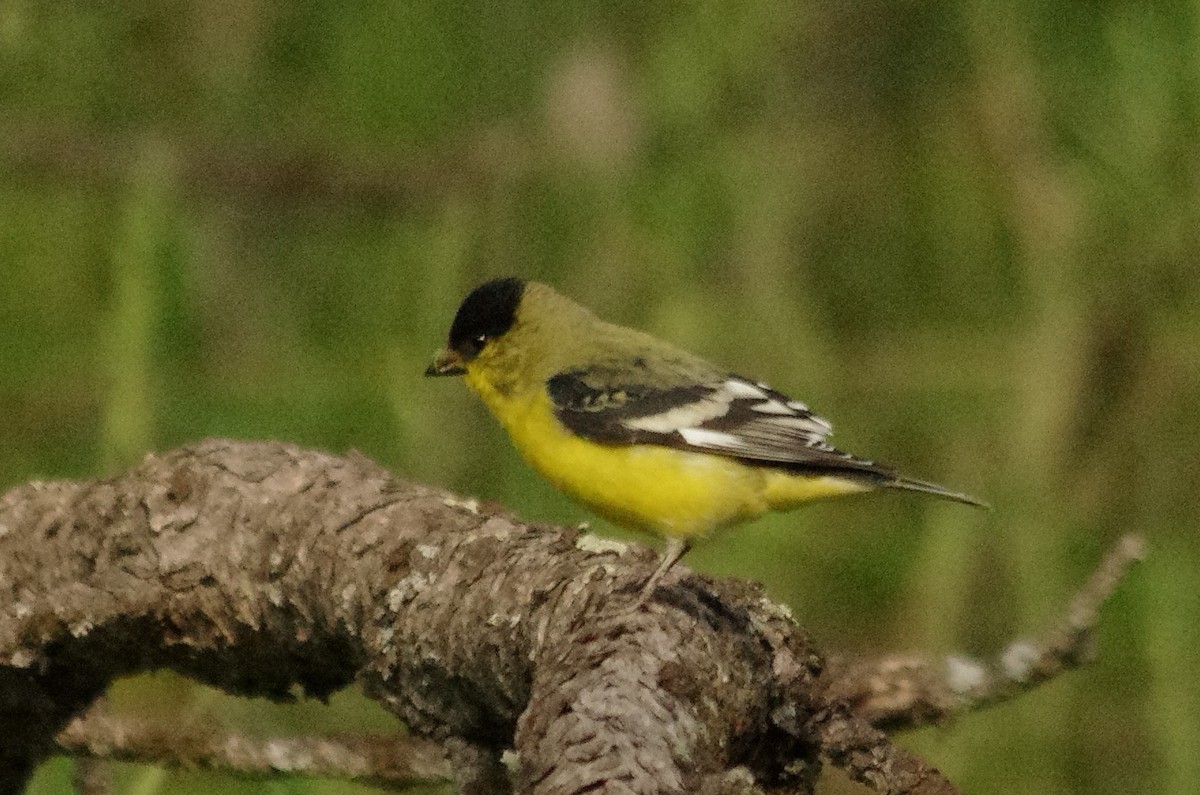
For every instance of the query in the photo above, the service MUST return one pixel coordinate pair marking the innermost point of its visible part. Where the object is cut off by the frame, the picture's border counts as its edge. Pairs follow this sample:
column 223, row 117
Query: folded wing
column 732, row 417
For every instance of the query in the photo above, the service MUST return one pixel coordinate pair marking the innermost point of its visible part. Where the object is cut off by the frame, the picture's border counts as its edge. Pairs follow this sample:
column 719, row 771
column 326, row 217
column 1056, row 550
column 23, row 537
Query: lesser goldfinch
column 641, row 432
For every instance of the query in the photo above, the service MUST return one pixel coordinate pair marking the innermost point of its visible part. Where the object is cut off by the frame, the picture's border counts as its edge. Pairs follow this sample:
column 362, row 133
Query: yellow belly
column 646, row 487
column 649, row 487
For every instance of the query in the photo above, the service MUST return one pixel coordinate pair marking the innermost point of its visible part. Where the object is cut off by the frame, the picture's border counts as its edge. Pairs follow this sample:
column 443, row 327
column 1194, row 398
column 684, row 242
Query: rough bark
column 260, row 567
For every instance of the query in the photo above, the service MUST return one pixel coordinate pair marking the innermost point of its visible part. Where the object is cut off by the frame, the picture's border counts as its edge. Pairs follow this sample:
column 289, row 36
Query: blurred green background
column 966, row 233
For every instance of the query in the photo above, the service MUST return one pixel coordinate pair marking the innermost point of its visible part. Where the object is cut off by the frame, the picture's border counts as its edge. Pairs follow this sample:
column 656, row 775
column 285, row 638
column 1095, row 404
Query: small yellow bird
column 645, row 434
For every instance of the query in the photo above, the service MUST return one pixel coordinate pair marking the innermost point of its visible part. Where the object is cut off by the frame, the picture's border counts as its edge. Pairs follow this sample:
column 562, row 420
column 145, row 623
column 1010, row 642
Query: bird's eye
column 475, row 344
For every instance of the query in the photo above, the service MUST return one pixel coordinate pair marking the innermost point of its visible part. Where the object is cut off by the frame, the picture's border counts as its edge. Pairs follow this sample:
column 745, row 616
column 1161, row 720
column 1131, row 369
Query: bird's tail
column 909, row 484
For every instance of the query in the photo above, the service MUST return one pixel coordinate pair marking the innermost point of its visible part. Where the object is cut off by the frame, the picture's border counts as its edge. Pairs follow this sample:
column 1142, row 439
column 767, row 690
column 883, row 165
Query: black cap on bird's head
column 488, row 312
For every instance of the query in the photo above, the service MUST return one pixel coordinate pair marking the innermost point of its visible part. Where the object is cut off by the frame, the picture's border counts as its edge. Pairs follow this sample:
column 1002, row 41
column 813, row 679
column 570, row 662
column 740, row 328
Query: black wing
column 734, row 417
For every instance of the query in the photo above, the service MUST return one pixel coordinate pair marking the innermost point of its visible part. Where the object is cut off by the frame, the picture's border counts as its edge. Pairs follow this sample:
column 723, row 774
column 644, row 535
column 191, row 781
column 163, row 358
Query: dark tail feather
column 908, row 484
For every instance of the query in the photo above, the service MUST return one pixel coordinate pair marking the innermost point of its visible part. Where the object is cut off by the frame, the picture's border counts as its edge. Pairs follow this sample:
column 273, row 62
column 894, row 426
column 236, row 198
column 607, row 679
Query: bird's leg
column 676, row 549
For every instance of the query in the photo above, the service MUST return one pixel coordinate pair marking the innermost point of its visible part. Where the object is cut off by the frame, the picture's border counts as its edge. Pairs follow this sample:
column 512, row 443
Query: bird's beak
column 446, row 363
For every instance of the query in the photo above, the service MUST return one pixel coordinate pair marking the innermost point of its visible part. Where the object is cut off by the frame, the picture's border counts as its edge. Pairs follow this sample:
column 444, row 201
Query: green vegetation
column 968, row 234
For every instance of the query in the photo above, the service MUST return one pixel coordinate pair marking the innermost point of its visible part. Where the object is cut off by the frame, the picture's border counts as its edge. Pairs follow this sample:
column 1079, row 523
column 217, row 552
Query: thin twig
column 907, row 690
column 393, row 762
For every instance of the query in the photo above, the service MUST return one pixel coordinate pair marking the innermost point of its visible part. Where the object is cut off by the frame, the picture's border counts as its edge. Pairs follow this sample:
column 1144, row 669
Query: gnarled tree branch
column 257, row 567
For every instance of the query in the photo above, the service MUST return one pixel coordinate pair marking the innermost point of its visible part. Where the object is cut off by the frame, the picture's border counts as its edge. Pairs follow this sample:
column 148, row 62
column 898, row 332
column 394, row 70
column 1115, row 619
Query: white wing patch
column 772, row 407
column 701, row 437
column 737, row 388
column 689, row 415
